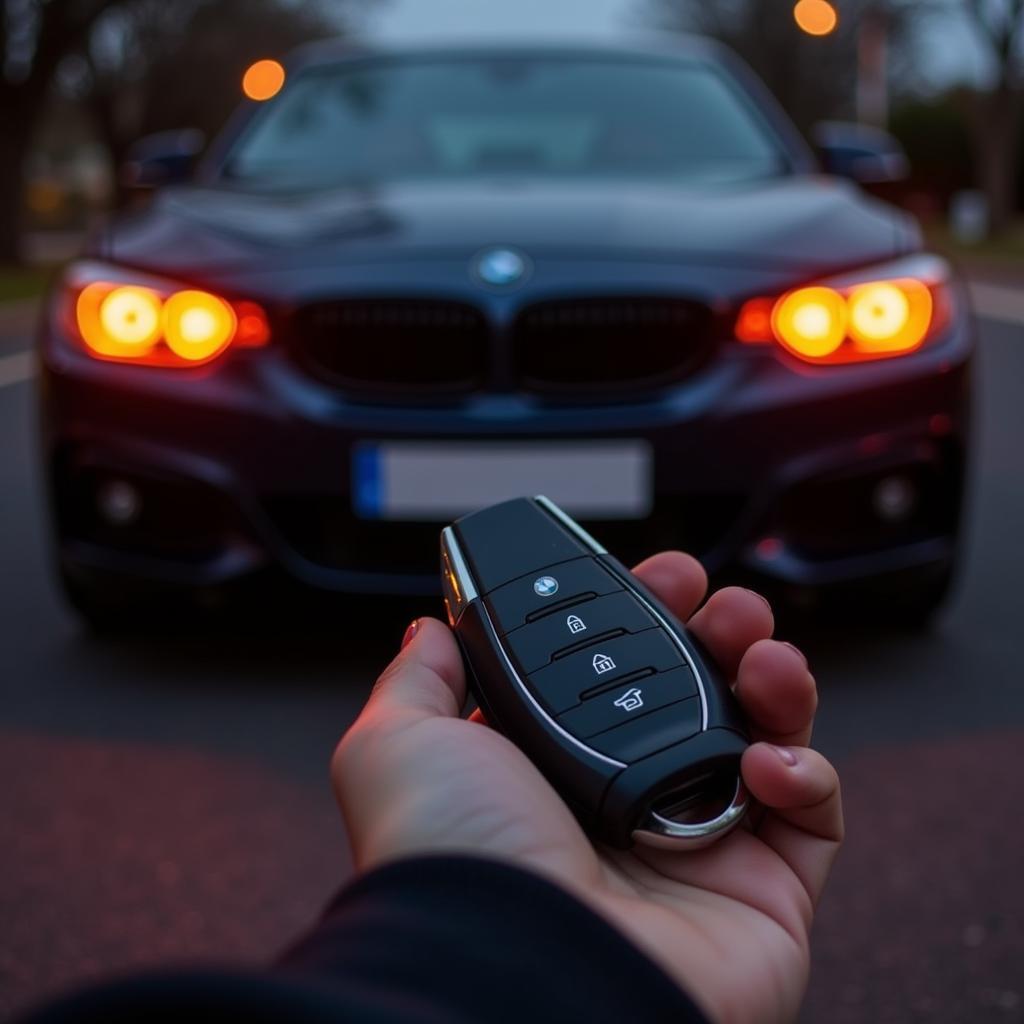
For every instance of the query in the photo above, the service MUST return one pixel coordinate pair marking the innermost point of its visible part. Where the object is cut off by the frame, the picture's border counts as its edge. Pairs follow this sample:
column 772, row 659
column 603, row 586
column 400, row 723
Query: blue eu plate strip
column 367, row 484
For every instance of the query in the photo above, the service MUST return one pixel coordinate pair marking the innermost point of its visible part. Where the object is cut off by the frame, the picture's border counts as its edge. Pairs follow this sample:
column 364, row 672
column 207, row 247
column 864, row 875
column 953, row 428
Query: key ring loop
column 667, row 834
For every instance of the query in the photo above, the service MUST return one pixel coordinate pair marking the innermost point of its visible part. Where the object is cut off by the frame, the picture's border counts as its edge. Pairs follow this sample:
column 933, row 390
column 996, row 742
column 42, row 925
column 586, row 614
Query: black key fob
column 577, row 663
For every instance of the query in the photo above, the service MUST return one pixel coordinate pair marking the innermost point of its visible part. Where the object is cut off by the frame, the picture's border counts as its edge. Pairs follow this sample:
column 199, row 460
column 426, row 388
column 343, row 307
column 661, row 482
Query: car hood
column 804, row 223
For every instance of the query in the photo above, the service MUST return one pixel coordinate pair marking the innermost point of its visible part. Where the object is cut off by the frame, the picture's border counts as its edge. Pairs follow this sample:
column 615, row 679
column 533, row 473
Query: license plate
column 438, row 481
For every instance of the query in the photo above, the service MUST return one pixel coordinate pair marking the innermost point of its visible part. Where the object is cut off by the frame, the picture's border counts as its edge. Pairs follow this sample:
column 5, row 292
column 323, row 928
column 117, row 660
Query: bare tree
column 139, row 65
column 995, row 126
column 815, row 78
column 149, row 68
column 34, row 37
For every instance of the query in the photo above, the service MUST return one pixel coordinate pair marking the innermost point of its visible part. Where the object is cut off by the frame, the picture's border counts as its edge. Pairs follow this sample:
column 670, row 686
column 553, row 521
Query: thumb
column 804, row 823
column 426, row 680
column 375, row 775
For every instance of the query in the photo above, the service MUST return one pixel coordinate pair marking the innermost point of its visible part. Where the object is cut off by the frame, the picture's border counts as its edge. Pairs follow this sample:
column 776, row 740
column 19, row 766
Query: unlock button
column 537, row 643
column 594, row 669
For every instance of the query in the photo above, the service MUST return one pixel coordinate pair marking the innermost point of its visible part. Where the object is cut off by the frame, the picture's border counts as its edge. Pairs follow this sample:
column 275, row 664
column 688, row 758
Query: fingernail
column 413, row 629
column 796, row 650
column 786, row 756
column 764, row 600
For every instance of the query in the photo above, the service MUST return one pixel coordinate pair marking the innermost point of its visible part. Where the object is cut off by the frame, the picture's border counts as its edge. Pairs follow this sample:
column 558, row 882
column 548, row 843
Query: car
column 420, row 280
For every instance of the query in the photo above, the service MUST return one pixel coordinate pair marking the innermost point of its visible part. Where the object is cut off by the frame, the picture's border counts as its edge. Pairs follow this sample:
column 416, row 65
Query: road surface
column 166, row 799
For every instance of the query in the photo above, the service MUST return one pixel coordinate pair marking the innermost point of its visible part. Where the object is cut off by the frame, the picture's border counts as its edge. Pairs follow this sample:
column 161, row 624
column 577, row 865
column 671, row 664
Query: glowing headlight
column 888, row 311
column 127, row 317
column 890, row 316
column 811, row 321
column 119, row 321
column 198, row 325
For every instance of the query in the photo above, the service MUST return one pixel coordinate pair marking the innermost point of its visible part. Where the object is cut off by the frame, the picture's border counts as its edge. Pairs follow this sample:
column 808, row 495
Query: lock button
column 537, row 643
column 573, row 677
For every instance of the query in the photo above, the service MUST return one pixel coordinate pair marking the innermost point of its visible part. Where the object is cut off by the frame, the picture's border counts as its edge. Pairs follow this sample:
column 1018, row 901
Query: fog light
column 895, row 499
column 119, row 502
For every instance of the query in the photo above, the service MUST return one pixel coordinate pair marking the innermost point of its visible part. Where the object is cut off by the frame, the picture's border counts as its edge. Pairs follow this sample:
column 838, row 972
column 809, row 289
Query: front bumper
column 762, row 466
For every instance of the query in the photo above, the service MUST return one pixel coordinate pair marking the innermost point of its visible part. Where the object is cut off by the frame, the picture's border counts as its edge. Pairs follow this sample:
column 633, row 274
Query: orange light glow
column 197, row 325
column 811, row 322
column 864, row 321
column 120, row 321
column 263, row 80
column 754, row 324
column 161, row 325
column 816, row 17
column 889, row 316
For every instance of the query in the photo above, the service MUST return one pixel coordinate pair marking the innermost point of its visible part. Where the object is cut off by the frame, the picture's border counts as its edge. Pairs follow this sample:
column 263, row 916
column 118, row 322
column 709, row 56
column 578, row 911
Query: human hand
column 730, row 923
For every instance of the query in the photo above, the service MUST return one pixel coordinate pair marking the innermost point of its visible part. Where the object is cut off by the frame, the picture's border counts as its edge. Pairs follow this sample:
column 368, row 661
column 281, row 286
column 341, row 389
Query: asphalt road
column 166, row 799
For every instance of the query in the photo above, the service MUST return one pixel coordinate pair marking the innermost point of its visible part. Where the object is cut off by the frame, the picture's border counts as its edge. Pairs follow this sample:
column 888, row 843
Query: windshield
column 528, row 117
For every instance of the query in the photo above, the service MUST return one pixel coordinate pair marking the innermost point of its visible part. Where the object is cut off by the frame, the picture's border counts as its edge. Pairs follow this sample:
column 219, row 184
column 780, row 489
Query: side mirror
column 165, row 158
column 863, row 154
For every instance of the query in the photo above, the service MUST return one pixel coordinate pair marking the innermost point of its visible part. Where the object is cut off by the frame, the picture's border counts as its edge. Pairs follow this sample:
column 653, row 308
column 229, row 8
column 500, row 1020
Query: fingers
column 773, row 683
column 677, row 579
column 727, row 625
column 777, row 693
column 804, row 825
column 732, row 620
column 425, row 680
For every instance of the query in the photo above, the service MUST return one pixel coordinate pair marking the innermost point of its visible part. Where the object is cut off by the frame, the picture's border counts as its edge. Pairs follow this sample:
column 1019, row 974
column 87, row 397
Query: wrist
column 432, row 911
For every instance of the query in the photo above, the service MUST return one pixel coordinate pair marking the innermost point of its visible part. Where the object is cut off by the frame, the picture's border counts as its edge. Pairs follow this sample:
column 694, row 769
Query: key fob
column 593, row 678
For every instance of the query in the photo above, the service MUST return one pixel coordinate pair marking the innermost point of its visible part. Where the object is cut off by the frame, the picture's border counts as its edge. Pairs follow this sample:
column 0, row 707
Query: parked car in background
column 418, row 281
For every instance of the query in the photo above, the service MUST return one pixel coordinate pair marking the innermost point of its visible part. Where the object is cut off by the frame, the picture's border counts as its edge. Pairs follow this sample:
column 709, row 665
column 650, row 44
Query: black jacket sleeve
column 425, row 941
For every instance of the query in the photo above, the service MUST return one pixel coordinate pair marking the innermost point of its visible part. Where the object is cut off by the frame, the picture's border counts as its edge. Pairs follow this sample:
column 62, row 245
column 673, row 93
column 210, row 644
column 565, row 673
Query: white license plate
column 420, row 480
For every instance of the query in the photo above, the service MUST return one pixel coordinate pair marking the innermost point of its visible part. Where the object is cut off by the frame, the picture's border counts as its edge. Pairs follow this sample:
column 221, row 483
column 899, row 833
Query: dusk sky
column 554, row 17
column 946, row 51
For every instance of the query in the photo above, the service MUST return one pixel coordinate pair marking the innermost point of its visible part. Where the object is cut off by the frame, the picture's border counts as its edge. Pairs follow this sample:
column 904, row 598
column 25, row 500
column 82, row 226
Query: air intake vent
column 406, row 346
column 610, row 345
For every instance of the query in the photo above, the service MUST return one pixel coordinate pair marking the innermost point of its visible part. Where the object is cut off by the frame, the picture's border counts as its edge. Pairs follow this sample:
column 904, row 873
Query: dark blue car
column 416, row 282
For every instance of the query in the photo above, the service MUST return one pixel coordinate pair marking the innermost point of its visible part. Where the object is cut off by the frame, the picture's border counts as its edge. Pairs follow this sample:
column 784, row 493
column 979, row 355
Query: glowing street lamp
column 816, row 17
column 263, row 80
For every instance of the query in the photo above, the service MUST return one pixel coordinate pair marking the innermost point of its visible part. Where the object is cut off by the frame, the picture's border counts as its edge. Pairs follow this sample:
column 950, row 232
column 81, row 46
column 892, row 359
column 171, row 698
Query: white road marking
column 17, row 369
column 996, row 302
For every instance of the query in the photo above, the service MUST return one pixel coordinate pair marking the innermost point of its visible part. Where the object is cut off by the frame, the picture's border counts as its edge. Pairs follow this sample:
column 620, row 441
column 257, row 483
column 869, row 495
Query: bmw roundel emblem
column 545, row 586
column 501, row 268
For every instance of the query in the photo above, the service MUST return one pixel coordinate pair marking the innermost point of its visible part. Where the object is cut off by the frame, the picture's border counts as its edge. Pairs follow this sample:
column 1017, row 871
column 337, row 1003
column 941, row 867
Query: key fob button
column 534, row 645
column 546, row 590
column 563, row 684
column 647, row 735
column 628, row 702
